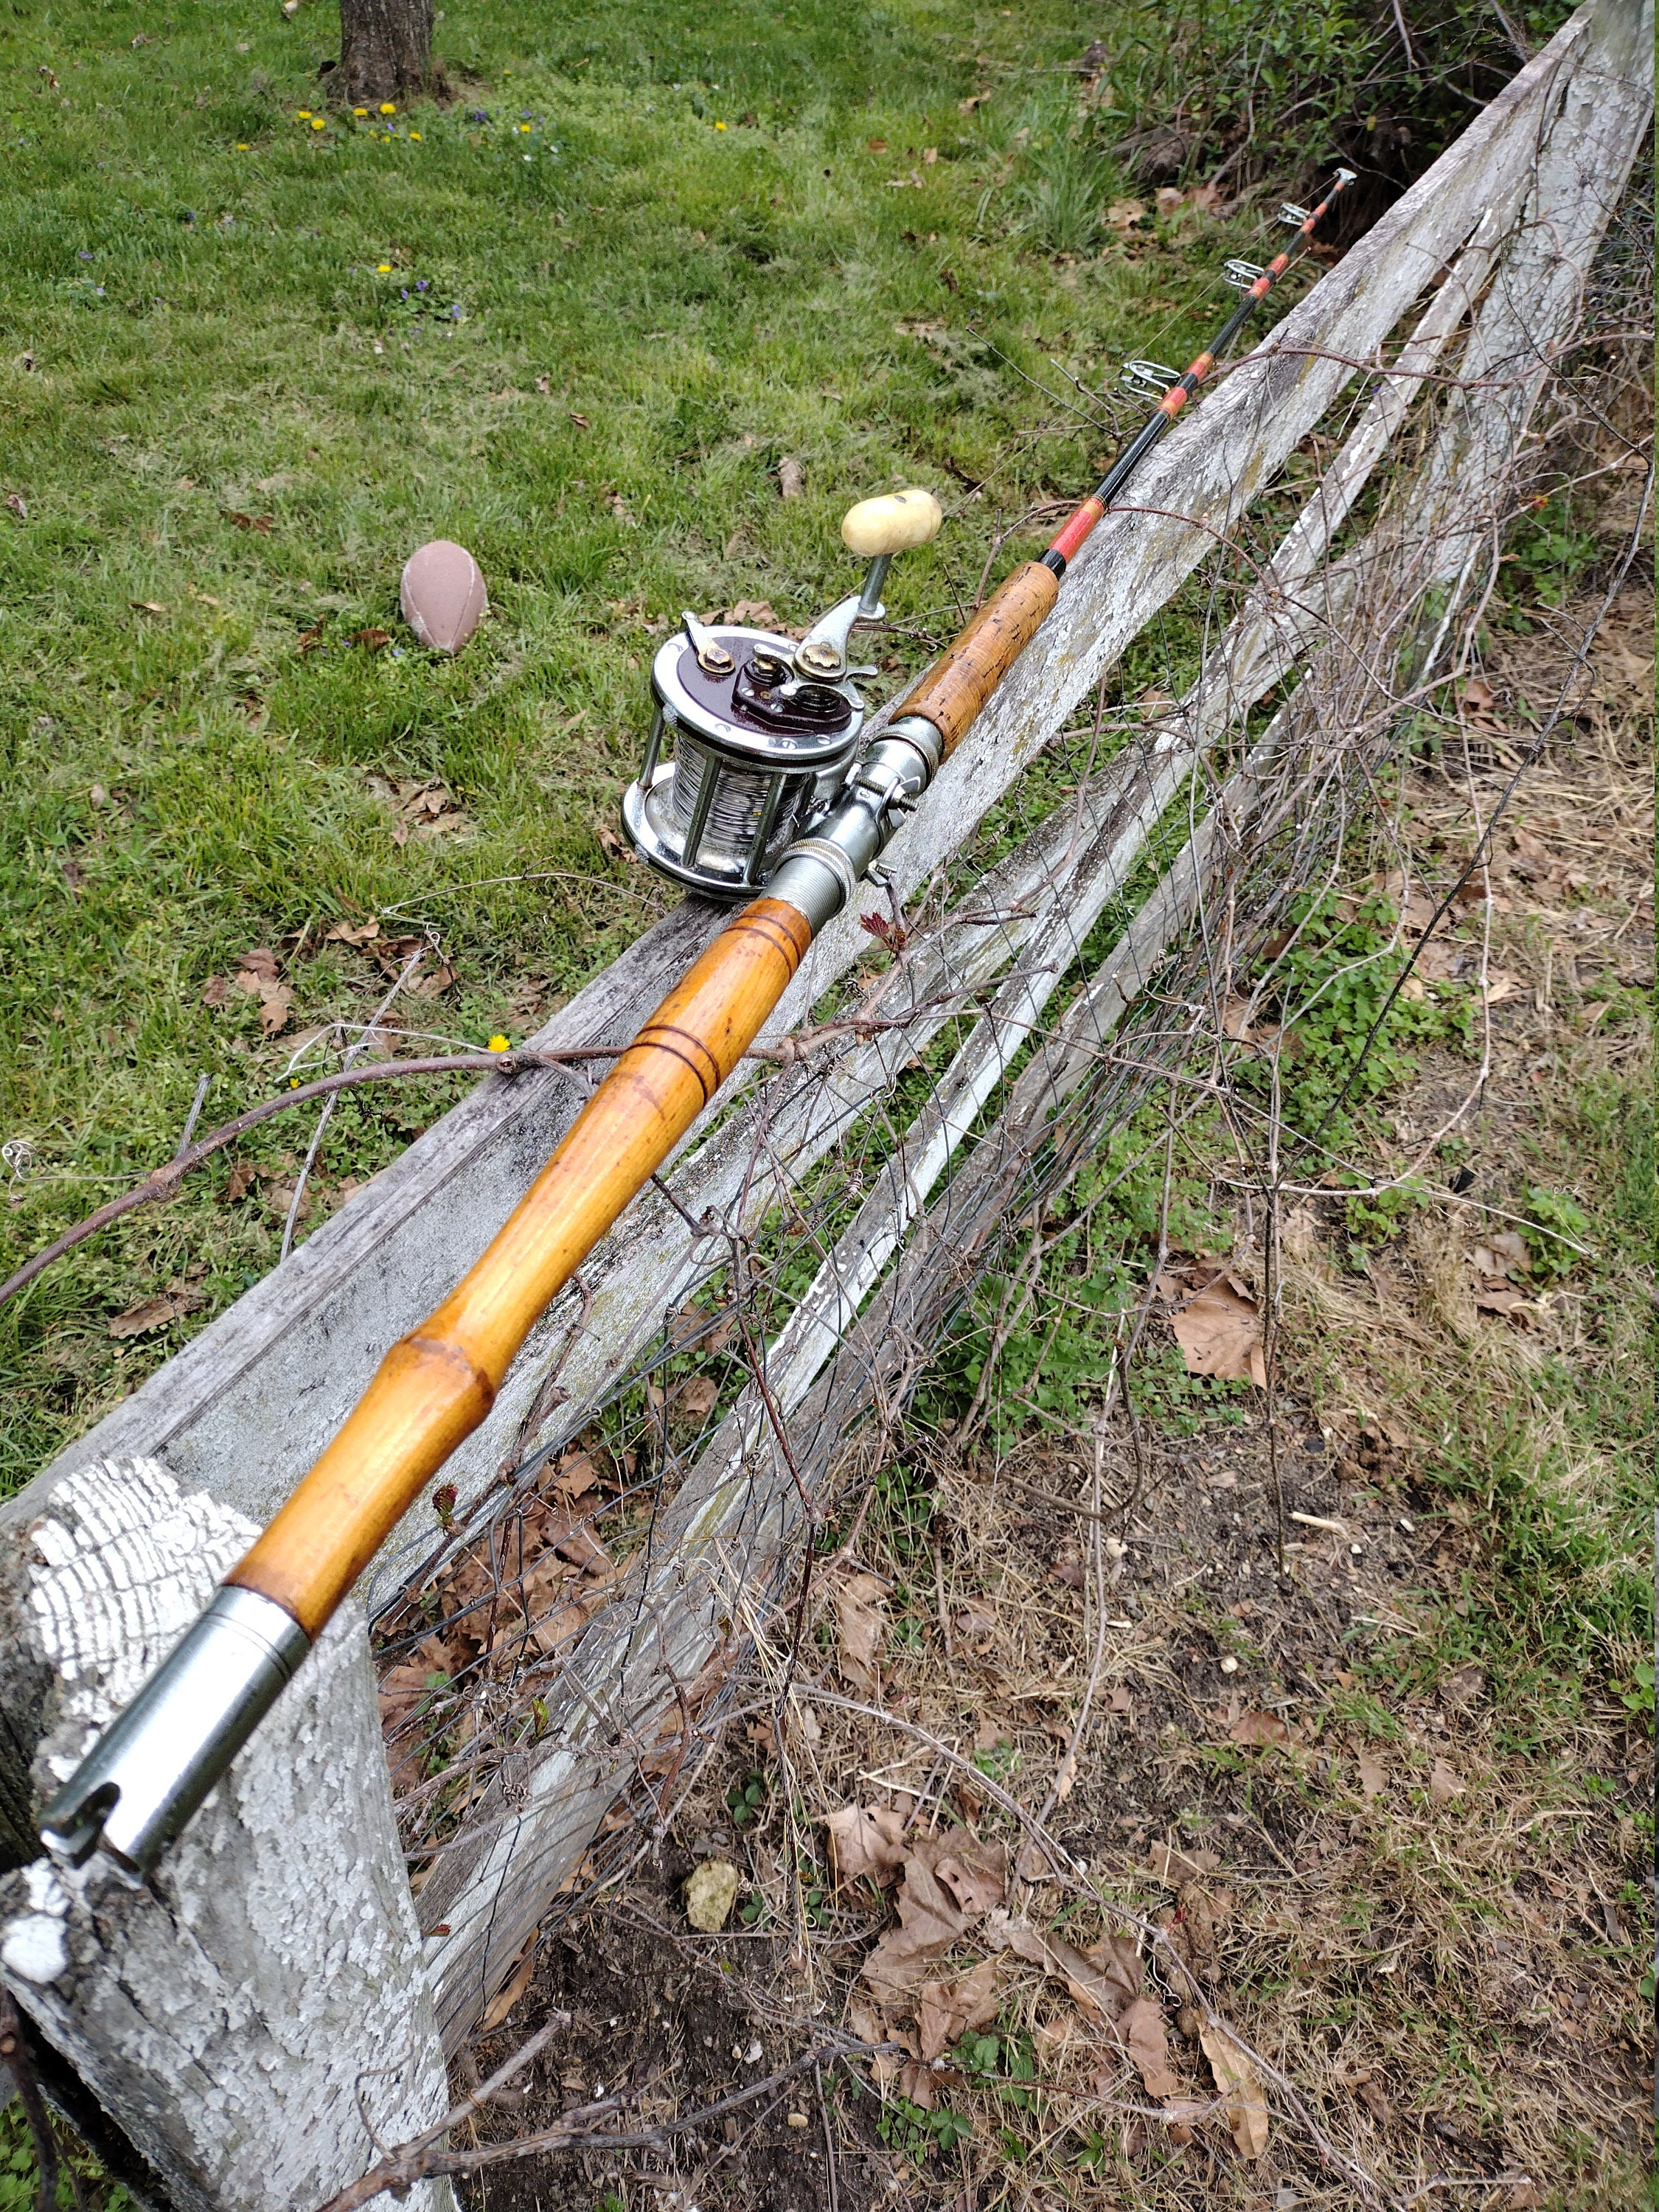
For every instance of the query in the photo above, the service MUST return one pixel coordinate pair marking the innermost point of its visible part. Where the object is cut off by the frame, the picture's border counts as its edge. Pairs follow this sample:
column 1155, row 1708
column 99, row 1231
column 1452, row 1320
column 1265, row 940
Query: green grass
column 197, row 326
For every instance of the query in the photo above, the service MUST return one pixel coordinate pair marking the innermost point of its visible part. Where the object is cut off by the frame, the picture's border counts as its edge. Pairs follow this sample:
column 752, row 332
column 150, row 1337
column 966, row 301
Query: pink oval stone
column 444, row 598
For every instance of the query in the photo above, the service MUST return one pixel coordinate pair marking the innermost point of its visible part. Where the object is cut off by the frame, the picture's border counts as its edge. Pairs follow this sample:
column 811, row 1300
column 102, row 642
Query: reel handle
column 893, row 522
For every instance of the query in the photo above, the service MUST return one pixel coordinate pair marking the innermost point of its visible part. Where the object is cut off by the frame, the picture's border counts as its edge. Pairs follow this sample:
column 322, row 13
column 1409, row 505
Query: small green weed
column 746, row 1801
column 83, row 2185
column 908, row 2129
column 1339, row 1051
column 1559, row 1224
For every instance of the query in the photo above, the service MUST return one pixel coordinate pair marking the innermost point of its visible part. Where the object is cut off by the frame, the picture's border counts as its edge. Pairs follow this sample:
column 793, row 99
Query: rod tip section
column 146, row 1777
column 891, row 524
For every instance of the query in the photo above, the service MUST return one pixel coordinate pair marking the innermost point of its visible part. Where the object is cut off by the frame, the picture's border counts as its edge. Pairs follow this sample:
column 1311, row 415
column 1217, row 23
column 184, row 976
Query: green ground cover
column 576, row 318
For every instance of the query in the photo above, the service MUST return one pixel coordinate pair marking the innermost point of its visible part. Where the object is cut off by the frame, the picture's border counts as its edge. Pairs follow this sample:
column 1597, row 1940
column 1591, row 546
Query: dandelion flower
column 304, row 115
column 499, row 1043
column 383, row 268
column 720, row 126
column 241, row 147
column 360, row 110
column 416, row 136
column 316, row 122
column 388, row 107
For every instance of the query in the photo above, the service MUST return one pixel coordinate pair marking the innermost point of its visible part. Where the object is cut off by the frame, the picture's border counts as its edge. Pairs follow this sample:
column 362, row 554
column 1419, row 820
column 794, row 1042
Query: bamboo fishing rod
column 766, row 788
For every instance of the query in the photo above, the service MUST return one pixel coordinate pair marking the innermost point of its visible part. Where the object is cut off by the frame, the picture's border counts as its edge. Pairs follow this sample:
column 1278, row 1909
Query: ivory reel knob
column 891, row 524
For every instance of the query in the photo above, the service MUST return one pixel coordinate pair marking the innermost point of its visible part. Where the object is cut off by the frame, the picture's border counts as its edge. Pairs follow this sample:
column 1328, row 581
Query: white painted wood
column 230, row 2017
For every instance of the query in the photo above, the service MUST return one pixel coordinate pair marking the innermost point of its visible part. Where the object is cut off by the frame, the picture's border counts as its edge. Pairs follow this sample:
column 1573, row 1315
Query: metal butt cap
column 145, row 1777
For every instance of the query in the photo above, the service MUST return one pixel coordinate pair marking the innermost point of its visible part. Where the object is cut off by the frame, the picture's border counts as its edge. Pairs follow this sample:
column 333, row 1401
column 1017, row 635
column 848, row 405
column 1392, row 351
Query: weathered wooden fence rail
column 252, row 2022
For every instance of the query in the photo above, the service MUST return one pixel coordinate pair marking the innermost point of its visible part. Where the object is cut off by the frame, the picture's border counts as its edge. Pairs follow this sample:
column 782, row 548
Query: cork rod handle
column 953, row 691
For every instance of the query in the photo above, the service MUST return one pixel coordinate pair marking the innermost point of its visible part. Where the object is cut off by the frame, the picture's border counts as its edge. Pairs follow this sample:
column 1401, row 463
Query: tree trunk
column 385, row 50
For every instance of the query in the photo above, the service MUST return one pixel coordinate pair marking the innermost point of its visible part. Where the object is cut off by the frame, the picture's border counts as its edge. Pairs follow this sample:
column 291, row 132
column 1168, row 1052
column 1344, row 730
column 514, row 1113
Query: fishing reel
column 754, row 735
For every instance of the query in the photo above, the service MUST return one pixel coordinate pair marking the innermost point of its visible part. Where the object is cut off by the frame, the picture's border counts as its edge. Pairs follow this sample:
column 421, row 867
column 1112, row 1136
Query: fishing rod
column 754, row 781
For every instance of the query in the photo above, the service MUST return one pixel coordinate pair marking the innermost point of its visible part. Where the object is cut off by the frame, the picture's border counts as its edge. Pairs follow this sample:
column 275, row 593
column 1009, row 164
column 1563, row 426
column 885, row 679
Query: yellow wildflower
column 360, row 110
column 388, row 107
column 304, row 115
column 241, row 146
column 720, row 126
column 316, row 122
column 383, row 268
column 416, row 136
column 499, row 1043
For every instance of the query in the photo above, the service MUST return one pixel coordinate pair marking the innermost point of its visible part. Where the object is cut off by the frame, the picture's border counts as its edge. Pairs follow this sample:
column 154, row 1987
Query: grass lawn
column 580, row 317
column 576, row 318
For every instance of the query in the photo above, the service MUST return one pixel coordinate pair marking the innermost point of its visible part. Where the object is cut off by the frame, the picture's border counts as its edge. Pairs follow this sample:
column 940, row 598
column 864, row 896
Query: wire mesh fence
column 960, row 1187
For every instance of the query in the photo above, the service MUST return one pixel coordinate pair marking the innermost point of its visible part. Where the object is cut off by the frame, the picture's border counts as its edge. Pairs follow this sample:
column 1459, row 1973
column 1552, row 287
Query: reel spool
column 753, row 735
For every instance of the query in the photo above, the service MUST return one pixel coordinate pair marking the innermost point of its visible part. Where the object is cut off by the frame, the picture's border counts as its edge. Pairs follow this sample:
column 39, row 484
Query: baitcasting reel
column 760, row 733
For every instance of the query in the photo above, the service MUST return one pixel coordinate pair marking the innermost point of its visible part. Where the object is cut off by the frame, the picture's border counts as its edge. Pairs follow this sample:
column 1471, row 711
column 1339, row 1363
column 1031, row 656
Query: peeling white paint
column 35, row 1948
column 231, row 2013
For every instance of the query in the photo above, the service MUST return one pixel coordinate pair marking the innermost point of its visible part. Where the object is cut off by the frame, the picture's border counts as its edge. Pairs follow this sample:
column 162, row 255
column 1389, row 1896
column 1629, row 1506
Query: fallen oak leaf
column 1445, row 1782
column 1218, row 1330
column 1373, row 1775
column 1142, row 2034
column 867, row 1840
column 262, row 523
column 370, row 640
column 946, row 2011
column 1242, row 2094
column 1098, row 1996
column 1258, row 1729
column 503, row 2004
column 861, row 1624
column 154, row 1313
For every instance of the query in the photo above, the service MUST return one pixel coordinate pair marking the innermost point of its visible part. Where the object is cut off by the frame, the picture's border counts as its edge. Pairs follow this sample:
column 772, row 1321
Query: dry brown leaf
column 1142, row 2034
column 577, row 1475
column 155, row 1313
column 239, row 1181
column 1242, row 2094
column 1373, row 1775
column 1445, row 1782
column 1099, row 1995
column 500, row 2006
column 1260, row 1729
column 1219, row 1331
column 1169, row 197
column 861, row 1622
column 370, row 640
column 256, row 975
column 977, row 1619
column 696, row 1397
column 867, row 1840
column 1175, row 1869
column 1122, row 215
column 975, row 1873
column 931, row 1921
column 352, row 932
column 215, row 990
column 792, row 478
column 1500, row 1301
column 1465, row 1685
column 945, row 2011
